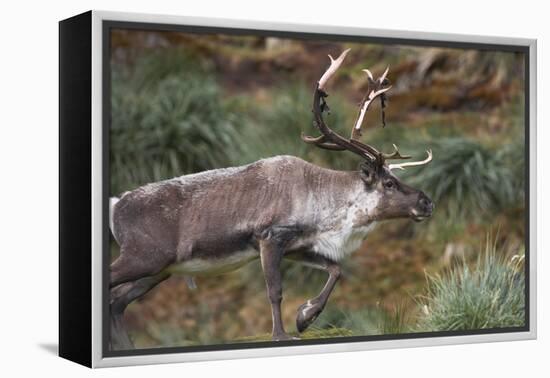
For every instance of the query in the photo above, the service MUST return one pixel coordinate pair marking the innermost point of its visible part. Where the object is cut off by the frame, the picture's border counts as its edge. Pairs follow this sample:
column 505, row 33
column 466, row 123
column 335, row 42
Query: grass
column 336, row 323
column 273, row 126
column 486, row 294
column 467, row 179
column 167, row 120
column 309, row 334
column 365, row 321
column 491, row 294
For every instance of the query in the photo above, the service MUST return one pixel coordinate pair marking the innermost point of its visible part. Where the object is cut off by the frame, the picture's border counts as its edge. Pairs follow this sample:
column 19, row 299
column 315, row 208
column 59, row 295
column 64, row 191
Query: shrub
column 491, row 294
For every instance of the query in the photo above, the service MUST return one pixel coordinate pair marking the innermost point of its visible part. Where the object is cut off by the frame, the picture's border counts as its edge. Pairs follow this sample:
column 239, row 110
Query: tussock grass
column 273, row 127
column 489, row 294
column 167, row 119
column 467, row 179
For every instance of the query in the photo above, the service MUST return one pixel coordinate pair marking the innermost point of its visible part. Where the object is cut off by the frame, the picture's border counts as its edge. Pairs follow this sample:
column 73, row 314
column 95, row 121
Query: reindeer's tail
column 112, row 202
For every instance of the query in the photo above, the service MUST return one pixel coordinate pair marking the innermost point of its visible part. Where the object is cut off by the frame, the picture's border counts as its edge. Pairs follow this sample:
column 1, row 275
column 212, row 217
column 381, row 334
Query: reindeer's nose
column 425, row 204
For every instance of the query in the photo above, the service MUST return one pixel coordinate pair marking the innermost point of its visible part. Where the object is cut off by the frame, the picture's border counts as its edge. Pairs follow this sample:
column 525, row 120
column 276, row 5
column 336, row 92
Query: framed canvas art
column 235, row 188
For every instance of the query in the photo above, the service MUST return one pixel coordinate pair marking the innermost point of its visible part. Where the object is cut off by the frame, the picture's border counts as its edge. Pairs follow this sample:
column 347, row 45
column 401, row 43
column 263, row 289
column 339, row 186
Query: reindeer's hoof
column 307, row 313
column 284, row 336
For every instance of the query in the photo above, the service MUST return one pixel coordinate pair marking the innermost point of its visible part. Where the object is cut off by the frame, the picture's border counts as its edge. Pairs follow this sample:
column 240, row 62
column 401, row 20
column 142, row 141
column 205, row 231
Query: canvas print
column 285, row 189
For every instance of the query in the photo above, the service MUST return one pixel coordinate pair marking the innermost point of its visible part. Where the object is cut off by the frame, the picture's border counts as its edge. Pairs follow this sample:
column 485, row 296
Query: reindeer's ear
column 368, row 173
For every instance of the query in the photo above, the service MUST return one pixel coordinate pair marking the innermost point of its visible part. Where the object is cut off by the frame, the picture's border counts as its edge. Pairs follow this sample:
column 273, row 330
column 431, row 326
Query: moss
column 310, row 334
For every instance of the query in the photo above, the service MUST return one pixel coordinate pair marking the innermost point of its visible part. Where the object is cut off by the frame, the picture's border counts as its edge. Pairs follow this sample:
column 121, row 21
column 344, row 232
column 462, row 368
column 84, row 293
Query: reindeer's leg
column 121, row 297
column 132, row 265
column 271, row 254
column 309, row 311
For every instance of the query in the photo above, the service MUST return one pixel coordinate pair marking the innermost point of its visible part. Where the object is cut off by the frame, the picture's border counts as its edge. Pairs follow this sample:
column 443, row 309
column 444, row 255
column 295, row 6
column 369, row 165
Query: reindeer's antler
column 331, row 140
column 412, row 163
column 376, row 88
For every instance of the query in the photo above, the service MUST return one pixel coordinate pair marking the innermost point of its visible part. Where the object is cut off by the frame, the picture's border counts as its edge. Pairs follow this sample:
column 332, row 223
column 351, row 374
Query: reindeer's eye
column 389, row 184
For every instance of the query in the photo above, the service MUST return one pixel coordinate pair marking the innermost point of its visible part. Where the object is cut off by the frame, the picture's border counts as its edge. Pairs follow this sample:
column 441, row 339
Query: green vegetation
column 274, row 127
column 365, row 321
column 469, row 179
column 488, row 295
column 311, row 333
column 167, row 119
column 483, row 294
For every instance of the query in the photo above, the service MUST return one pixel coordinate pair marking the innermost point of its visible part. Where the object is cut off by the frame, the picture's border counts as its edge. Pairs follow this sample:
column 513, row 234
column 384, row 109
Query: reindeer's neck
column 328, row 198
column 339, row 208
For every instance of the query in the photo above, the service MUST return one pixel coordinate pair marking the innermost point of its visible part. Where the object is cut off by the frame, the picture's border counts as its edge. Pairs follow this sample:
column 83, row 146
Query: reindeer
column 281, row 207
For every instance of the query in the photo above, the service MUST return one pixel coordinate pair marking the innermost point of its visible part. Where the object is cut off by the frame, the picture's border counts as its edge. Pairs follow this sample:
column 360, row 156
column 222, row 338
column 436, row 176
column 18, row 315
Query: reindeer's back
column 221, row 206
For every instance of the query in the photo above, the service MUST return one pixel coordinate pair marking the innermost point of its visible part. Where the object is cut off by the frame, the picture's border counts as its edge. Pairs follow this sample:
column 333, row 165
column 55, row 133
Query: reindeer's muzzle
column 423, row 209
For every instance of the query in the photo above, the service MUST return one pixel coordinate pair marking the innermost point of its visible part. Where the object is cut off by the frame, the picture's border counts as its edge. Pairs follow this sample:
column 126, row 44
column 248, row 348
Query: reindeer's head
column 395, row 199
